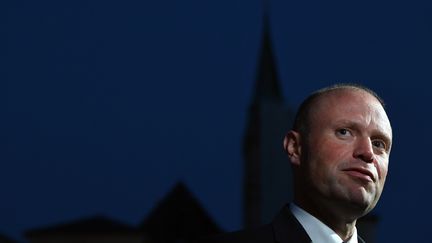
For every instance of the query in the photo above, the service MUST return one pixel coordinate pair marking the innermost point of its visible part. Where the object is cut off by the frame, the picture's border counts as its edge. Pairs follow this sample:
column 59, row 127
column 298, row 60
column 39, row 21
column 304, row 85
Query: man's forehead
column 349, row 100
column 344, row 93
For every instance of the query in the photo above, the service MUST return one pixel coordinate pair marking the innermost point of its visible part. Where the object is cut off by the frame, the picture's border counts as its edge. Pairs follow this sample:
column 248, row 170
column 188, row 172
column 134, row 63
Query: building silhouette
column 5, row 239
column 267, row 175
column 95, row 229
column 178, row 217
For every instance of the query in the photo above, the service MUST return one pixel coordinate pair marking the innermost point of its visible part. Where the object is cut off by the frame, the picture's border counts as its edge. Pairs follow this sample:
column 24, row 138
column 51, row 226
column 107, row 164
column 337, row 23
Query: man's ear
column 292, row 146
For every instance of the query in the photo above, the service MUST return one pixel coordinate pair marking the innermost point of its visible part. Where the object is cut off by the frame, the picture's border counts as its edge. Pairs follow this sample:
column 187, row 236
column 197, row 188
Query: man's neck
column 335, row 218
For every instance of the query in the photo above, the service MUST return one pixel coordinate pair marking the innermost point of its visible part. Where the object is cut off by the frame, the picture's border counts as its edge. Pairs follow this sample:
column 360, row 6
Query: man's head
column 339, row 149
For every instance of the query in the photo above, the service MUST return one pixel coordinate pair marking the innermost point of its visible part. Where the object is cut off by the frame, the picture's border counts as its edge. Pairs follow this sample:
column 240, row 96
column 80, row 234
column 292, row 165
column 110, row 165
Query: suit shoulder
column 258, row 235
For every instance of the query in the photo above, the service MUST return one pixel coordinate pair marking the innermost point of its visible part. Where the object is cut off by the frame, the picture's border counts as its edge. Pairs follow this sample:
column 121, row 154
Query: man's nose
column 364, row 150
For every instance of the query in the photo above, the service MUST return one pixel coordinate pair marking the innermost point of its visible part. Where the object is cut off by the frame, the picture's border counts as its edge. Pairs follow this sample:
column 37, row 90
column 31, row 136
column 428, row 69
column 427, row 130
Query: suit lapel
column 360, row 240
column 287, row 229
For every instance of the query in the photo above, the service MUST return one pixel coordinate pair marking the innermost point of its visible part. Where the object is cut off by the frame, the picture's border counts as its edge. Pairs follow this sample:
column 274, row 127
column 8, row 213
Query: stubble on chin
column 358, row 194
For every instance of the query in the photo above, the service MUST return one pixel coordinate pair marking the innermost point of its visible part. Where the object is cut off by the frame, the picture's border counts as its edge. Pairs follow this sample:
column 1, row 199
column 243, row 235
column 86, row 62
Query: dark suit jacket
column 284, row 229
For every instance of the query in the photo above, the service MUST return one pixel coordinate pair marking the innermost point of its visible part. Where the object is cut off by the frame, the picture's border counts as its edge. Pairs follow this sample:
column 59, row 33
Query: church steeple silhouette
column 267, row 180
column 267, row 83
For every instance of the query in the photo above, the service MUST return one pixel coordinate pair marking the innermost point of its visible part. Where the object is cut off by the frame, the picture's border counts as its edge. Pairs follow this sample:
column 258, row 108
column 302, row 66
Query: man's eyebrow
column 348, row 123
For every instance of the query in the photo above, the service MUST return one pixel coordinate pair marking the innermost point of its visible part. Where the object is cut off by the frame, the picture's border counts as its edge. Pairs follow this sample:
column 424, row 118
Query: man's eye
column 379, row 144
column 343, row 132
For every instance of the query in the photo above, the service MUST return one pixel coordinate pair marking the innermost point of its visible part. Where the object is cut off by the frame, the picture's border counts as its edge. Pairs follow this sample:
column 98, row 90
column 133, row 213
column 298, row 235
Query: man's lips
column 360, row 173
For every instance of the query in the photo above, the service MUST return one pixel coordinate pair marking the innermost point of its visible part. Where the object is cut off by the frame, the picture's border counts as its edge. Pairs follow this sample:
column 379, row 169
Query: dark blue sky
column 109, row 103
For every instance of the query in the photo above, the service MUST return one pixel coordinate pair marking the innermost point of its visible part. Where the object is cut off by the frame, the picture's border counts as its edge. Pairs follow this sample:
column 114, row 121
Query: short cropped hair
column 302, row 121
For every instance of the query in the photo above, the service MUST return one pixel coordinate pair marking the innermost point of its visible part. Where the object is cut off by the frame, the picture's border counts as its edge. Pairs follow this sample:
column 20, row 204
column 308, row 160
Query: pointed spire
column 267, row 83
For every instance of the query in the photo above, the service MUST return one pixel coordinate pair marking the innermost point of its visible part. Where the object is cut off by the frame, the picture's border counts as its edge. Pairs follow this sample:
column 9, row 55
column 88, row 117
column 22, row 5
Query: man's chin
column 361, row 201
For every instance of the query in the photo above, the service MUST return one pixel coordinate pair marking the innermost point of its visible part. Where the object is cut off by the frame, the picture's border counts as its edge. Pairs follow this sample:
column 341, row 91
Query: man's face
column 346, row 153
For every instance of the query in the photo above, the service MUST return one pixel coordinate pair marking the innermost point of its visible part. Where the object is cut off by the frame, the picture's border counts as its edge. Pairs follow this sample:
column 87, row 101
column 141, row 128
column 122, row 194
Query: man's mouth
column 360, row 173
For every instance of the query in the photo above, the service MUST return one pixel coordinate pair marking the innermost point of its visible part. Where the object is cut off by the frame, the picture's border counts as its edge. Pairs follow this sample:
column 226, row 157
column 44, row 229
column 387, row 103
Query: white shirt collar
column 317, row 230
